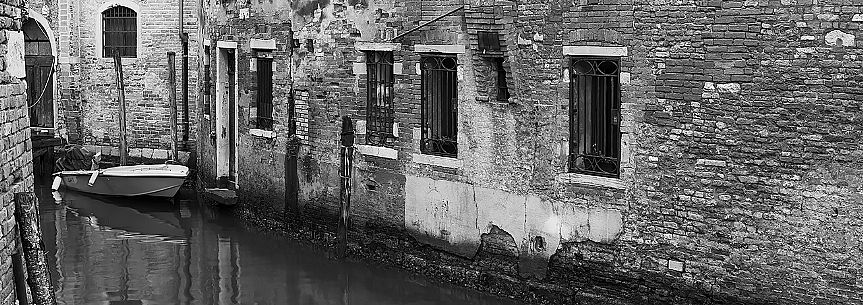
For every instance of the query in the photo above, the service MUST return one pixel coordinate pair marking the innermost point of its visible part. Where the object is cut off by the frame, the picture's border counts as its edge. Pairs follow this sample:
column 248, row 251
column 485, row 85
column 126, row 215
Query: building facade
column 629, row 151
column 17, row 162
column 74, row 91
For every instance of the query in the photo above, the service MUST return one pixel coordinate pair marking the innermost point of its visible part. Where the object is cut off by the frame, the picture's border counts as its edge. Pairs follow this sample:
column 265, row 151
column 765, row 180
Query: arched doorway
column 39, row 54
column 39, row 60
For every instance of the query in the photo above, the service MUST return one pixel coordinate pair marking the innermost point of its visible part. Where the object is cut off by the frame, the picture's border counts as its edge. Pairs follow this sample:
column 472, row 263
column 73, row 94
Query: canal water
column 106, row 250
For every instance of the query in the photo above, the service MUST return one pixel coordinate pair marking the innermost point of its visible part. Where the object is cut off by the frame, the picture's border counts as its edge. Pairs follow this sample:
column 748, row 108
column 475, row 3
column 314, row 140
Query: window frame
column 264, row 118
column 501, row 84
column 207, row 80
column 433, row 141
column 380, row 112
column 606, row 162
column 104, row 31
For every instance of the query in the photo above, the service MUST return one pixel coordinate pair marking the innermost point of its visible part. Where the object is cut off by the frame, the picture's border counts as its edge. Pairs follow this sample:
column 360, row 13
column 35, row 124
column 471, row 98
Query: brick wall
column 87, row 82
column 17, row 163
column 740, row 158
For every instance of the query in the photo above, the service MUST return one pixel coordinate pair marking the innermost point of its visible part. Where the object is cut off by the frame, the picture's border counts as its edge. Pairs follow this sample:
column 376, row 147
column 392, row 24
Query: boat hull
column 127, row 181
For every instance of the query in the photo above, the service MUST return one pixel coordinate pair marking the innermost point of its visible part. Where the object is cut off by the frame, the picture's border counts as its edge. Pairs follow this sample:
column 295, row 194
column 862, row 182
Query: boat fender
column 56, row 184
column 93, row 178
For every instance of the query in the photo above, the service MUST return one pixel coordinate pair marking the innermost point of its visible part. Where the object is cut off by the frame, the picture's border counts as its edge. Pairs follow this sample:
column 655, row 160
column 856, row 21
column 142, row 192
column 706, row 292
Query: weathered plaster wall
column 16, row 165
column 87, row 82
column 739, row 160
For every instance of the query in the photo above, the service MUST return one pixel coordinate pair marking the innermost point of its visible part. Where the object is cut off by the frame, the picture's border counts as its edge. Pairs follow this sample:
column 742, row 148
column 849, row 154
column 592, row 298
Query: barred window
column 119, row 32
column 265, row 93
column 594, row 133
column 439, row 101
column 379, row 110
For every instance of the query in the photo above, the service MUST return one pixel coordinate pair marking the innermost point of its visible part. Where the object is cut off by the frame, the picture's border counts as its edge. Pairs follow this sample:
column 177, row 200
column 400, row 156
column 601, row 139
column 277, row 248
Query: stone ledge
column 158, row 155
column 377, row 46
column 437, row 161
column 439, row 48
column 378, row 151
column 226, row 44
column 262, row 133
column 590, row 180
column 595, row 51
column 262, row 44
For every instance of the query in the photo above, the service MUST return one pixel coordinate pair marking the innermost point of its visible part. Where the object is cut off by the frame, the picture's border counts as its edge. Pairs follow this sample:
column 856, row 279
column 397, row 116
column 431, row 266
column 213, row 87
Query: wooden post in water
column 121, row 96
column 172, row 97
column 292, row 184
column 19, row 271
column 347, row 160
column 27, row 218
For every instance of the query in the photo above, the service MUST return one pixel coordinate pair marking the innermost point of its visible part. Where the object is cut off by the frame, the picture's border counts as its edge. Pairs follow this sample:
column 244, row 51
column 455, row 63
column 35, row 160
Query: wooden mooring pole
column 27, row 218
column 172, row 97
column 347, row 160
column 121, row 96
column 19, row 271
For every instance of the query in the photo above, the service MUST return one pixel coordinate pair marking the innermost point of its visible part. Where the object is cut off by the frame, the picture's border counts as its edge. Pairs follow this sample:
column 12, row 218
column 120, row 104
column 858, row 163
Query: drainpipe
column 184, row 40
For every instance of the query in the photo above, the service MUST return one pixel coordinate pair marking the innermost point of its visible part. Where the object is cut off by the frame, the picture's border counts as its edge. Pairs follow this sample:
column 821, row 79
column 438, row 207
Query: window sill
column 378, row 151
column 590, row 180
column 437, row 161
column 125, row 60
column 262, row 133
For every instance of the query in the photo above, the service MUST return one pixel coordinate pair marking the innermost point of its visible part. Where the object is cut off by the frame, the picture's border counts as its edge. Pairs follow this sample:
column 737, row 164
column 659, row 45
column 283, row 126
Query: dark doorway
column 39, row 62
column 40, row 84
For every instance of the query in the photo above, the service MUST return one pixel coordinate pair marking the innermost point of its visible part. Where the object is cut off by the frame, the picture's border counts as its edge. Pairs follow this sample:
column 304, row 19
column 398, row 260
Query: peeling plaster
column 837, row 37
column 15, row 54
column 453, row 215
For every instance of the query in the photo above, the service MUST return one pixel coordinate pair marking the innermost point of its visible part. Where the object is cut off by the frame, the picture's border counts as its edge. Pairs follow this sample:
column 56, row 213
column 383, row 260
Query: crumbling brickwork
column 739, row 157
column 17, row 162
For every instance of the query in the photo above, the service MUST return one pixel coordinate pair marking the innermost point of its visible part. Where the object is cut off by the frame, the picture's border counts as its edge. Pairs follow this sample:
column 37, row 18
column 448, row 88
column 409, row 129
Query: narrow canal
column 105, row 250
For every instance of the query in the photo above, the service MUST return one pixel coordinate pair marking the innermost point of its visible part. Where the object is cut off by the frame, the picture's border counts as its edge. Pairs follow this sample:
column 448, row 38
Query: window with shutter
column 265, row 93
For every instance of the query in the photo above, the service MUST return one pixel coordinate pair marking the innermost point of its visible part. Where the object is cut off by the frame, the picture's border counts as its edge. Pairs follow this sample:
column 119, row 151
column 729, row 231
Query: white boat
column 133, row 180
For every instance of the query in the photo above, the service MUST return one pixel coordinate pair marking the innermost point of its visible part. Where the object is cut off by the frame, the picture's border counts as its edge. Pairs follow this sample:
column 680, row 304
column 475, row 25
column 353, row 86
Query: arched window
column 119, row 32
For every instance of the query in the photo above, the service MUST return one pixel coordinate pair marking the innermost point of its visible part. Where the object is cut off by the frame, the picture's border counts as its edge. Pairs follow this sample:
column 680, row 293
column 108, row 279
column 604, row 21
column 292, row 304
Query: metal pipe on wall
column 184, row 40
column 172, row 98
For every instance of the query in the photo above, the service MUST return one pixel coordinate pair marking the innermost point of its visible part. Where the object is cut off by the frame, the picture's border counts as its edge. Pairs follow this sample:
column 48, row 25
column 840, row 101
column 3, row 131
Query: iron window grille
column 265, row 93
column 595, row 116
column 119, row 34
column 380, row 111
column 439, row 101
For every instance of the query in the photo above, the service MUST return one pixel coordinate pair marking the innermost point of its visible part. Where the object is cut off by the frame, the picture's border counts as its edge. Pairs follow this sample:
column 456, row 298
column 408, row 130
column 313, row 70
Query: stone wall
column 17, row 162
column 740, row 153
column 87, row 95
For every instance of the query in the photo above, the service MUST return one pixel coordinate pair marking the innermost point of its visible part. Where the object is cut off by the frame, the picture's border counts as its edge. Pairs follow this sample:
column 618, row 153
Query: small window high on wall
column 119, row 32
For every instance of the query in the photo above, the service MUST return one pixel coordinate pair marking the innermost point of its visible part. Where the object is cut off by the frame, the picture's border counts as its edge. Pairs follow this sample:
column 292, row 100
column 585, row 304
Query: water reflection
column 151, row 251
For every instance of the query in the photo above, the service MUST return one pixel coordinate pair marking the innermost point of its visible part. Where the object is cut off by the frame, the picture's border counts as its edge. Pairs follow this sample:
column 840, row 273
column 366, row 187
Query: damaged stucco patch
column 15, row 54
column 442, row 214
column 304, row 12
column 453, row 215
column 837, row 38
